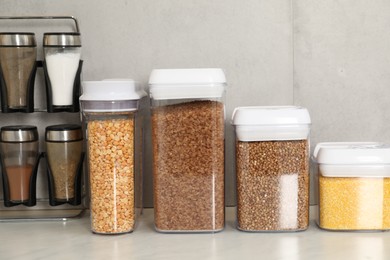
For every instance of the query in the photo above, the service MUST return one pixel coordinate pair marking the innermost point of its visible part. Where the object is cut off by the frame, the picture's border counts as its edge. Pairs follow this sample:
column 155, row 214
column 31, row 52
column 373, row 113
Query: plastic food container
column 188, row 149
column 354, row 186
column 272, row 168
column 110, row 113
column 19, row 159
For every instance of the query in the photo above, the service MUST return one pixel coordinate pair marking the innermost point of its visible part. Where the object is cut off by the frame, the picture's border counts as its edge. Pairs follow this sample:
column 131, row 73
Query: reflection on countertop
column 73, row 239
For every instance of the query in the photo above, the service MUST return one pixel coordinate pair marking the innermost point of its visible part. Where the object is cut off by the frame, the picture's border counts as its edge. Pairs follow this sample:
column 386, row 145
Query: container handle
column 77, row 29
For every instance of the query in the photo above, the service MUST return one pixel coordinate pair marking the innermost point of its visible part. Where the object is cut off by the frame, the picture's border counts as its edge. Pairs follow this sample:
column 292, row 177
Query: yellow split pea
column 354, row 203
column 111, row 169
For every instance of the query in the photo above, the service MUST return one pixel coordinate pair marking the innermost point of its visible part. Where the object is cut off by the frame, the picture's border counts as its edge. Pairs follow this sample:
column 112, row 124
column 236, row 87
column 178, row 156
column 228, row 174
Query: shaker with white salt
column 62, row 59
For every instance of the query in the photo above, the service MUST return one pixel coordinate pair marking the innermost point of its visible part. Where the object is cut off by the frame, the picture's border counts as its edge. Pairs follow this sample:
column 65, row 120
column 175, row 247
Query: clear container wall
column 19, row 161
column 188, row 165
column 354, row 203
column 272, row 185
column 113, row 171
column 63, row 160
column 17, row 66
column 62, row 64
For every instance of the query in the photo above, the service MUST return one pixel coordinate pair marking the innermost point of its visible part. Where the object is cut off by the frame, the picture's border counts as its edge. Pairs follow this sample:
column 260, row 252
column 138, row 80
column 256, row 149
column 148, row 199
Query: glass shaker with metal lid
column 64, row 157
column 62, row 67
column 18, row 53
column 19, row 159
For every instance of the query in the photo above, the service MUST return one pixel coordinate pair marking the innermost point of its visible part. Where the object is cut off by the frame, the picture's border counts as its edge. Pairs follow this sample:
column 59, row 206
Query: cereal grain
column 188, row 153
column 272, row 185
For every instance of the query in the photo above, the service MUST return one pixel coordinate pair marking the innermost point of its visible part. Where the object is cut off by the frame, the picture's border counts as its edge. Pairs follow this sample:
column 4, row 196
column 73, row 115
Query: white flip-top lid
column 111, row 90
column 340, row 145
column 112, row 95
column 361, row 159
column 265, row 123
column 187, row 83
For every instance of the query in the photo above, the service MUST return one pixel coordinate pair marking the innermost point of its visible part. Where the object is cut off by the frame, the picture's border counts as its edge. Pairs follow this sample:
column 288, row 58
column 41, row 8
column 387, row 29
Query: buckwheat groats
column 188, row 153
column 272, row 168
column 272, row 185
column 188, row 149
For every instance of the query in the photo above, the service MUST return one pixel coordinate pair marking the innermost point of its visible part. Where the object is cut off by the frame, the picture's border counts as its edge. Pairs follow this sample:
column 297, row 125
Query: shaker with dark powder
column 18, row 55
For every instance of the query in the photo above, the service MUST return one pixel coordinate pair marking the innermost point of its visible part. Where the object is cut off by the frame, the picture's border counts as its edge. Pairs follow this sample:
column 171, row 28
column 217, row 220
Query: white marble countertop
column 73, row 239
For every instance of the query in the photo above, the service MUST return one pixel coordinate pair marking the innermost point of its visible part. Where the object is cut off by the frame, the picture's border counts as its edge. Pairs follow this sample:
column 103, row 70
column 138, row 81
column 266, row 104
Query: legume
column 111, row 169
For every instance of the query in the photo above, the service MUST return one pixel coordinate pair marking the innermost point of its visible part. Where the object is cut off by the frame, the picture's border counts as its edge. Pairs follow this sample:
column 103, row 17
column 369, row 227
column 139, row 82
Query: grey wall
column 330, row 56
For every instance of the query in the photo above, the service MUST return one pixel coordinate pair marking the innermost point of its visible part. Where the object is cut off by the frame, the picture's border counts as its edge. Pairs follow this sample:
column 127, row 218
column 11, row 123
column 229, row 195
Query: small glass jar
column 18, row 53
column 62, row 66
column 188, row 115
column 354, row 186
column 20, row 158
column 272, row 168
column 110, row 117
column 64, row 157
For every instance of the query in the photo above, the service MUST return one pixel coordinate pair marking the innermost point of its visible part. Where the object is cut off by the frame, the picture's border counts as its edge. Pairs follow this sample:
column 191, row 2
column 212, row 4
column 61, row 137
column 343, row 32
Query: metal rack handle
column 42, row 17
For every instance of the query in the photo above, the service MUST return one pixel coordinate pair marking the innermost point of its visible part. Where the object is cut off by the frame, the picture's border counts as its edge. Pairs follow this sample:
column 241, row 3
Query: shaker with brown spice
column 19, row 159
column 272, row 168
column 18, row 55
column 188, row 149
column 64, row 157
column 110, row 115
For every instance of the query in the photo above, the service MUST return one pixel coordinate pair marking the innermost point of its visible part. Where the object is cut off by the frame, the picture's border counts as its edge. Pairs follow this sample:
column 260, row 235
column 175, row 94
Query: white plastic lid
column 266, row 123
column 354, row 160
column 111, row 89
column 187, row 83
column 340, row 145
